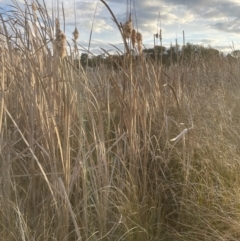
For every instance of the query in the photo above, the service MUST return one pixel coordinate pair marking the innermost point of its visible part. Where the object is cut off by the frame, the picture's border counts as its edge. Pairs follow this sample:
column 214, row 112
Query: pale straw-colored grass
column 113, row 154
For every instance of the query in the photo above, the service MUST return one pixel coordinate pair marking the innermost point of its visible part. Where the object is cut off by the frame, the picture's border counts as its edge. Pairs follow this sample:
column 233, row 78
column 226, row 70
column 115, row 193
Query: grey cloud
column 205, row 10
column 230, row 26
column 85, row 7
column 209, row 9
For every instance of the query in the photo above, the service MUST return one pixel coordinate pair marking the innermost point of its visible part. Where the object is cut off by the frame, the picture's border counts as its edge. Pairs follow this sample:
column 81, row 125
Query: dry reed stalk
column 57, row 24
column 2, row 87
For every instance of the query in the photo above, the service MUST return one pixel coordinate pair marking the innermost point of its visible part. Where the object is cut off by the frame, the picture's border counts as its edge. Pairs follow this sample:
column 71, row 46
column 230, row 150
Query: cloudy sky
column 205, row 22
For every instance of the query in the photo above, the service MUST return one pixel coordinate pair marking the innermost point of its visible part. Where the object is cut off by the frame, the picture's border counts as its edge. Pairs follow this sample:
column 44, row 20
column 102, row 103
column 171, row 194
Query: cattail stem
column 118, row 25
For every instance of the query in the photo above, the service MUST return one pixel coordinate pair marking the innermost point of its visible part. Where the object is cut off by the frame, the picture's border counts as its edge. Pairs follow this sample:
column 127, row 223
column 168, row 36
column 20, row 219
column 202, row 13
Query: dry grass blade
column 32, row 152
column 185, row 131
column 70, row 208
column 175, row 95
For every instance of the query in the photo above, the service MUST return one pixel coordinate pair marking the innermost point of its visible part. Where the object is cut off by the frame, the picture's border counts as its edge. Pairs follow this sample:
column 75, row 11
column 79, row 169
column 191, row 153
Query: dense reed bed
column 140, row 153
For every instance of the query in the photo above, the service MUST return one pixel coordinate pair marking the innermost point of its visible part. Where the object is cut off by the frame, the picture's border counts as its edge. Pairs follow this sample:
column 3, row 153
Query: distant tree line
column 161, row 55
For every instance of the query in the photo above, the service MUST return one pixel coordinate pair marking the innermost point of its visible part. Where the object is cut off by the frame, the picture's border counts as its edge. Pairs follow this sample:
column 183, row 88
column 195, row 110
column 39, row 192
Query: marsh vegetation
column 147, row 152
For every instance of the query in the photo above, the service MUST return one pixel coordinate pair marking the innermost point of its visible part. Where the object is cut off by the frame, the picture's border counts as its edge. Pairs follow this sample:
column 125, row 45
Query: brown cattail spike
column 75, row 34
column 134, row 37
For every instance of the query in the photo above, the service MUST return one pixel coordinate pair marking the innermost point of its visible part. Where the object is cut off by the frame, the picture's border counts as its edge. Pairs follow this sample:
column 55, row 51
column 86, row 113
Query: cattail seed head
column 34, row 6
column 127, row 29
column 60, row 44
column 139, row 42
column 139, row 37
column 75, row 34
column 134, row 37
